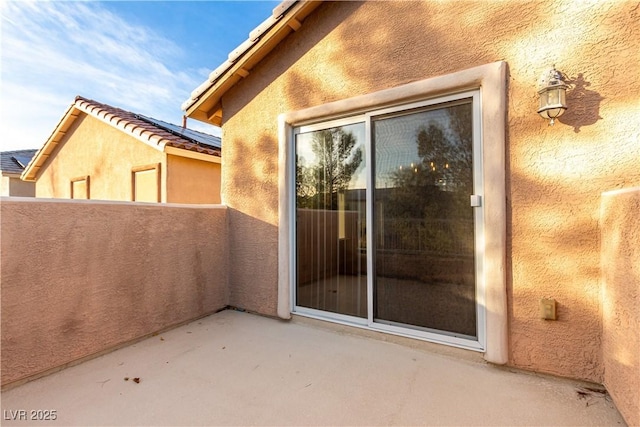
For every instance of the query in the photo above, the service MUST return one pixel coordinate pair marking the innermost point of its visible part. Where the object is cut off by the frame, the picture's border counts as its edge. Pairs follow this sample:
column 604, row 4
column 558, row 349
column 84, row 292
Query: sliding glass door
column 423, row 221
column 388, row 219
column 330, row 220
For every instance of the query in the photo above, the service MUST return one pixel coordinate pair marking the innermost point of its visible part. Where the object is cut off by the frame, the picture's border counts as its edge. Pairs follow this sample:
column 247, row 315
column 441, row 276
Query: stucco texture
column 14, row 186
column 621, row 300
column 192, row 181
column 95, row 149
column 555, row 175
column 81, row 277
column 107, row 155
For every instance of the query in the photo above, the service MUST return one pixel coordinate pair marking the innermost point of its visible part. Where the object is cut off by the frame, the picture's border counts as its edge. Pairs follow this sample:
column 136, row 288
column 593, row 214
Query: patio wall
column 621, row 299
column 82, row 277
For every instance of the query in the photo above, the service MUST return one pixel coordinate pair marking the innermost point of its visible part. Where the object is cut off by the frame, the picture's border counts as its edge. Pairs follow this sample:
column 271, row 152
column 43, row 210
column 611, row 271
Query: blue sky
column 144, row 56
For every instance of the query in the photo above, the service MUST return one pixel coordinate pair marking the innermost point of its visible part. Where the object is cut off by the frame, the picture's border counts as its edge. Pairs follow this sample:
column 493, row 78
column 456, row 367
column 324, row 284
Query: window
column 145, row 183
column 393, row 211
column 80, row 188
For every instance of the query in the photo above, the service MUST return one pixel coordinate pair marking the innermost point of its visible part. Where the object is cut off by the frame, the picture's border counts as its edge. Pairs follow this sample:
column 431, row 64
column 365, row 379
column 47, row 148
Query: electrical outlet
column 548, row 309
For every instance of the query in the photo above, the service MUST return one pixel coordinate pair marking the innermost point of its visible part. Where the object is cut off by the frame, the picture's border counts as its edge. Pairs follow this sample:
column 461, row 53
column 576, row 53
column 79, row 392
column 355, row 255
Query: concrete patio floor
column 234, row 368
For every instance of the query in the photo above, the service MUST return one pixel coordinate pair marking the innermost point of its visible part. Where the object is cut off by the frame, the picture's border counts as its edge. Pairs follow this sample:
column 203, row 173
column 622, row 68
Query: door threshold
column 407, row 340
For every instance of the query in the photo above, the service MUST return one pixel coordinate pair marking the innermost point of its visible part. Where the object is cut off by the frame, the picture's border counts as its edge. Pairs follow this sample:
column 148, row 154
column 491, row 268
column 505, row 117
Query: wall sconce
column 552, row 91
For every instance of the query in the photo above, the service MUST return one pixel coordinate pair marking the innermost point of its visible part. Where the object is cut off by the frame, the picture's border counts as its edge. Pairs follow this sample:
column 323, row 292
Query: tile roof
column 254, row 36
column 15, row 161
column 156, row 133
column 286, row 18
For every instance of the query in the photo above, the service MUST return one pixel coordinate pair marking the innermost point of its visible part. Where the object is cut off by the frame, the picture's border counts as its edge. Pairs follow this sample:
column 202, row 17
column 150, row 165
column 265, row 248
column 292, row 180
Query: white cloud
column 53, row 51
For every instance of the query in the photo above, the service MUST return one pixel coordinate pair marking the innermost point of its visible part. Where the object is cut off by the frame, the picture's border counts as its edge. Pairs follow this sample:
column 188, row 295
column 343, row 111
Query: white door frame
column 490, row 81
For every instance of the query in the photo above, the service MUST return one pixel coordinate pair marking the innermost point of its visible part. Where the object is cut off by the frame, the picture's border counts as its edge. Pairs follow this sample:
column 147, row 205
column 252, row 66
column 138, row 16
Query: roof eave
column 30, row 173
column 206, row 106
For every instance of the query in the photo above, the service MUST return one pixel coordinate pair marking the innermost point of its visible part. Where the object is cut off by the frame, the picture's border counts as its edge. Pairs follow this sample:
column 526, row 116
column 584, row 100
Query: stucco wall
column 621, row 300
column 555, row 175
column 100, row 151
column 6, row 186
column 79, row 277
column 14, row 186
column 192, row 181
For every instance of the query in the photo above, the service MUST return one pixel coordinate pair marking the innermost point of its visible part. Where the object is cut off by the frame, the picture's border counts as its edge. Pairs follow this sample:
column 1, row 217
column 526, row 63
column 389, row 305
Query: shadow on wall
column 555, row 255
column 250, row 192
column 621, row 299
column 296, row 45
column 390, row 52
column 250, row 188
column 583, row 104
column 553, row 183
column 253, row 263
column 569, row 275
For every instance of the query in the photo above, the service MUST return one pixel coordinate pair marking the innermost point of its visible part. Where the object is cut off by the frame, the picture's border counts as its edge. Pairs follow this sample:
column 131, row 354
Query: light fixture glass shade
column 552, row 95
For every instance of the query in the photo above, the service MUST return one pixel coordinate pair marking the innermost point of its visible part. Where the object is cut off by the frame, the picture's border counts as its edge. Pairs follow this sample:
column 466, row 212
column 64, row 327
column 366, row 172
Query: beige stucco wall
column 80, row 277
column 14, row 186
column 6, row 186
column 555, row 175
column 192, row 180
column 100, row 151
column 621, row 299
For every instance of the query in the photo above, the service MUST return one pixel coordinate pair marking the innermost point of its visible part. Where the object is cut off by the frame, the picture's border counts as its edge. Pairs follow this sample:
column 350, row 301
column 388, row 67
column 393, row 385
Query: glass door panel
column 424, row 231
column 331, row 254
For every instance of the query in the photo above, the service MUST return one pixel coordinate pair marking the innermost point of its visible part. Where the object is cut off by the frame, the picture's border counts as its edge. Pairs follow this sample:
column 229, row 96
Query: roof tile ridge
column 120, row 120
column 98, row 109
column 108, row 115
column 140, row 128
column 105, row 109
column 117, row 117
column 153, row 136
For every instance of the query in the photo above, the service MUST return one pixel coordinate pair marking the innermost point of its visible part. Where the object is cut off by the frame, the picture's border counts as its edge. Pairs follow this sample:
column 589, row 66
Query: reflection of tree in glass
column 426, row 196
column 446, row 160
column 445, row 166
column 336, row 161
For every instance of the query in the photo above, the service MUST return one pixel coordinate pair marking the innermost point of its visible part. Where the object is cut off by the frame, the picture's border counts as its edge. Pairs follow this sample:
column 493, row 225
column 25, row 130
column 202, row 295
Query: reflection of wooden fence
column 322, row 250
column 452, row 237
column 425, row 267
column 428, row 250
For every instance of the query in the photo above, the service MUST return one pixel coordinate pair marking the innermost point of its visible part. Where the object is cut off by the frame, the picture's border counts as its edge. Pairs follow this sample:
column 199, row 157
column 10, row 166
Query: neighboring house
column 101, row 152
column 13, row 163
column 478, row 214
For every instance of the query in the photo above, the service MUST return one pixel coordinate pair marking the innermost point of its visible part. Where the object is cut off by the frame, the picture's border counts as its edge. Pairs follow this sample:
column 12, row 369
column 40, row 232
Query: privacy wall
column 621, row 299
column 555, row 175
column 81, row 277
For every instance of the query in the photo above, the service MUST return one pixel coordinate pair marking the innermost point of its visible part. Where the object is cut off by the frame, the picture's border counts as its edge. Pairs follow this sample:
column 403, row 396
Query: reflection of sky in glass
column 396, row 141
column 307, row 157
